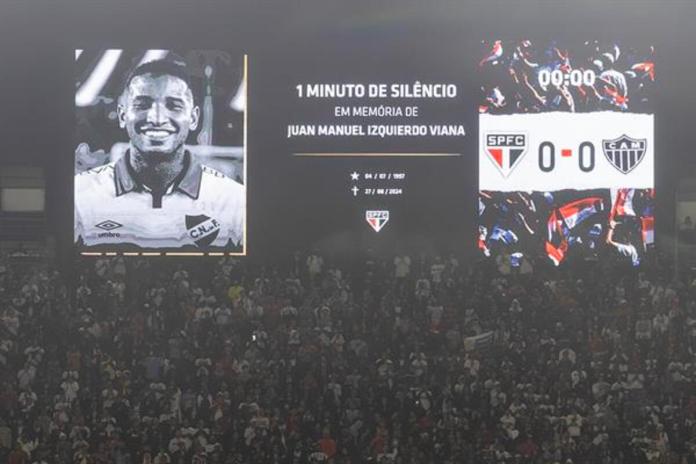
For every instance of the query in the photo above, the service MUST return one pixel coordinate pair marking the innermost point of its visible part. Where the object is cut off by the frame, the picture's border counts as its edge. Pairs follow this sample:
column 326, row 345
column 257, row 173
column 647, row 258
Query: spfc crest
column 505, row 150
column 377, row 219
column 624, row 153
column 202, row 229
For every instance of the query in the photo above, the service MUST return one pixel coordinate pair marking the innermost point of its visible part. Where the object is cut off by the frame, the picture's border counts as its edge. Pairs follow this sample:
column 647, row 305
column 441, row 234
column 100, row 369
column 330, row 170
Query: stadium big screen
column 414, row 131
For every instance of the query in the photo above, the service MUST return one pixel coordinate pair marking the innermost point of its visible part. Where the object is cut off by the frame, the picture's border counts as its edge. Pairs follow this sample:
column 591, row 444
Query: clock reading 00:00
column 576, row 77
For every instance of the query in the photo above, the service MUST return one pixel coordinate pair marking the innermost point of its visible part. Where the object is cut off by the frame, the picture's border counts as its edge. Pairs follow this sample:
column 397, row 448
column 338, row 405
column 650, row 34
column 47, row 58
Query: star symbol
column 355, row 191
column 354, row 176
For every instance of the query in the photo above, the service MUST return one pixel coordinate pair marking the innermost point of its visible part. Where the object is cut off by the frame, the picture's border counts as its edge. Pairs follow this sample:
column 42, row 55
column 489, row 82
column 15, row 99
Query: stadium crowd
column 400, row 360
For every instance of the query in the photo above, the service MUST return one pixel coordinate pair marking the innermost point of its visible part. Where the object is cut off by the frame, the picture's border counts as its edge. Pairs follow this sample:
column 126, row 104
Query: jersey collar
column 187, row 182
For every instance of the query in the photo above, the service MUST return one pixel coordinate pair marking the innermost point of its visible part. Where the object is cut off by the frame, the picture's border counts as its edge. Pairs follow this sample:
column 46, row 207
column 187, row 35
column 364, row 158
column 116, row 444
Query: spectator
column 389, row 361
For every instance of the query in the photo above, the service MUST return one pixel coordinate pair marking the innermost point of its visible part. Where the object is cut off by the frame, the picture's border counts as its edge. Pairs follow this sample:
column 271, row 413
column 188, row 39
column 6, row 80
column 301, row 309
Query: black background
column 300, row 203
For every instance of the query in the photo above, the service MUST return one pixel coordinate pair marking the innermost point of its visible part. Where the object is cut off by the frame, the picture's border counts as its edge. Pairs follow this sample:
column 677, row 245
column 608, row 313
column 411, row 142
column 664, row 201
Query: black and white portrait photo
column 160, row 151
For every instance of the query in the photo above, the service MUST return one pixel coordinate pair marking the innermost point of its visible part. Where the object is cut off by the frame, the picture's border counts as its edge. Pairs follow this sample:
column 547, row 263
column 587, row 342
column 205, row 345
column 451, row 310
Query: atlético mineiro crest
column 202, row 229
column 506, row 150
column 624, row 153
column 377, row 218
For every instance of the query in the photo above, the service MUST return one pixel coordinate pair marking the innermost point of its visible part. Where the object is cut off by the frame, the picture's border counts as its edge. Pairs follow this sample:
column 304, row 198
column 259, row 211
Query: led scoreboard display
column 566, row 150
column 349, row 139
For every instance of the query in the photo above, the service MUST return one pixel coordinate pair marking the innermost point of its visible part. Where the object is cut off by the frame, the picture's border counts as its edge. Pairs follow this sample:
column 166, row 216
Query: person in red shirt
column 18, row 456
column 327, row 445
column 528, row 448
column 378, row 442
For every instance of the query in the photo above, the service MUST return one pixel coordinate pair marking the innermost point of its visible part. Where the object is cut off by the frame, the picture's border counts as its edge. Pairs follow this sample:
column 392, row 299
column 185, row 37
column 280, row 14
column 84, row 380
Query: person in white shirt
column 158, row 195
column 402, row 267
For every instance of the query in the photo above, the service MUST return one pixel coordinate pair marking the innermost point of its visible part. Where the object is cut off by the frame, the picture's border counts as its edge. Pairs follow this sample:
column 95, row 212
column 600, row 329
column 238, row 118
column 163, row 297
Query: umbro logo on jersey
column 505, row 150
column 108, row 225
column 202, row 229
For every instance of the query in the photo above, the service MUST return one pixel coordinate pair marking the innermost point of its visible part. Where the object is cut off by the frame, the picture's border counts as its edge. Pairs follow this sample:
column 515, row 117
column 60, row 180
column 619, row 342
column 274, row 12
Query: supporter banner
column 555, row 151
column 479, row 342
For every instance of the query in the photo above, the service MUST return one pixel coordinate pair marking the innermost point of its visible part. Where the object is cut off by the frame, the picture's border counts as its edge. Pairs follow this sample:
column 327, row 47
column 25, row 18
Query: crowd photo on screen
column 567, row 151
column 312, row 359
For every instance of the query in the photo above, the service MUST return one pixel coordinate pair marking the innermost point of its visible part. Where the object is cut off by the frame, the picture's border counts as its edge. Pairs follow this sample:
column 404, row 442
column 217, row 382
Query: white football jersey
column 202, row 208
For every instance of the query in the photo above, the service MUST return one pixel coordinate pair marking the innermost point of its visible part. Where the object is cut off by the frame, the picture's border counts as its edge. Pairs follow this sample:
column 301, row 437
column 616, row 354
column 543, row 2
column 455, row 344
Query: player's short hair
column 169, row 66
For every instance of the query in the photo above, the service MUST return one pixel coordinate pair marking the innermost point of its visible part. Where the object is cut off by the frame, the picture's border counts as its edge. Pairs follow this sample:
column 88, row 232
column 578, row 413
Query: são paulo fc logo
column 505, row 150
column 377, row 219
column 202, row 229
column 624, row 153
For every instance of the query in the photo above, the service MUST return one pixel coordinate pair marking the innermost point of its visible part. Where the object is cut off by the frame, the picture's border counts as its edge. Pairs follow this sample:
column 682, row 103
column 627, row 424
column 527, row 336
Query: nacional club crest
column 505, row 150
column 624, row 153
column 377, row 219
column 202, row 229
